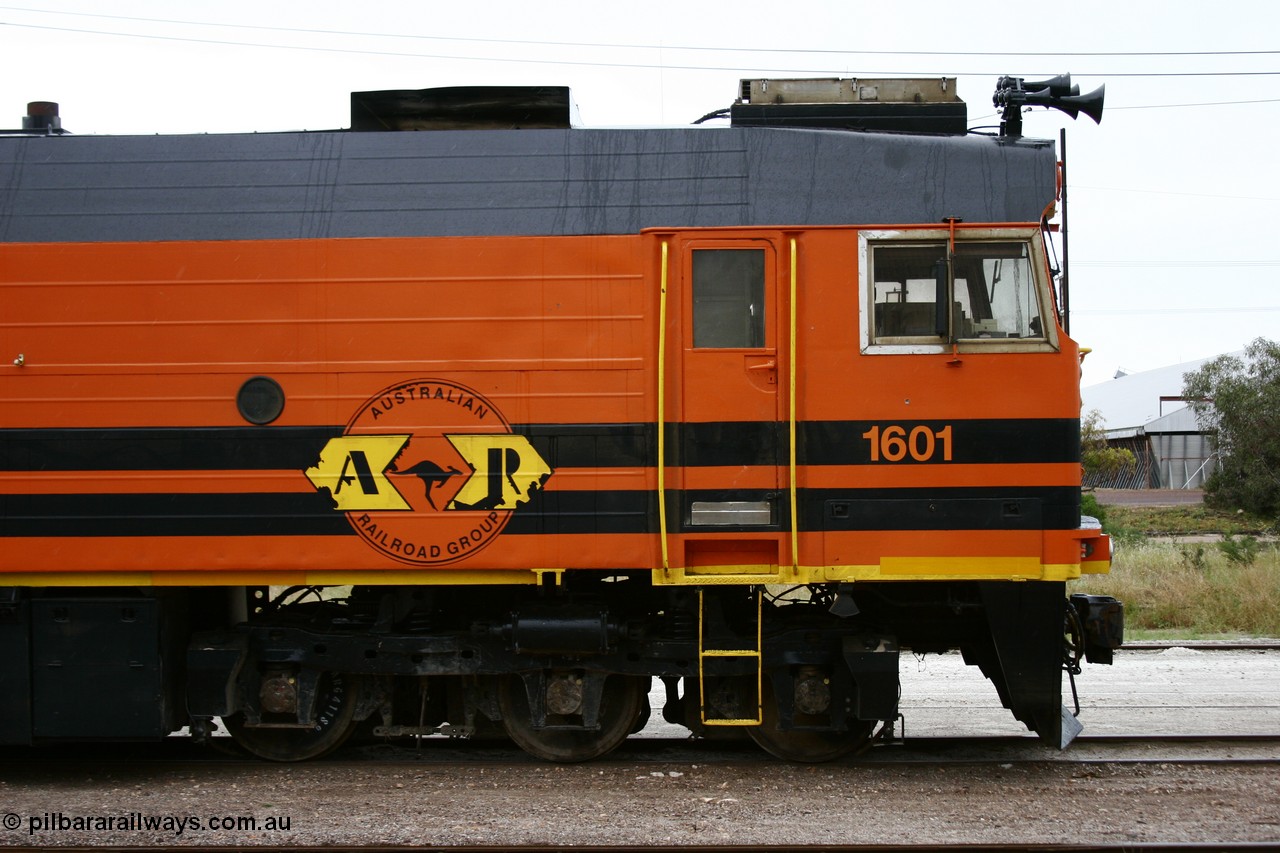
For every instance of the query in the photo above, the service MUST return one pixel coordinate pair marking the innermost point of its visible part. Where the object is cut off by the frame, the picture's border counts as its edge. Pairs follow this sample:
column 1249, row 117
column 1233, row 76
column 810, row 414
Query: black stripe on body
column 548, row 513
column 164, row 448
column 1039, row 440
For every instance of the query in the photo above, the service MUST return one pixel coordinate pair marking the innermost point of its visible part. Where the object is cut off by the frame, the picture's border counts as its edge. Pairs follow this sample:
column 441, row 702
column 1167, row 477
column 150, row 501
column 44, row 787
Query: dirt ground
column 620, row 802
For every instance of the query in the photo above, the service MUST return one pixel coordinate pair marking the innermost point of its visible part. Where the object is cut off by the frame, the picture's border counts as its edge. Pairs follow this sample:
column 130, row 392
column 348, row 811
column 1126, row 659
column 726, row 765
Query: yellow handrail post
column 791, row 409
column 662, row 427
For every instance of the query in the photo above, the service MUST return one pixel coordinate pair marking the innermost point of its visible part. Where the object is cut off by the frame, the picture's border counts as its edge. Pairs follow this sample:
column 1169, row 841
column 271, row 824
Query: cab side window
column 921, row 293
column 728, row 298
column 996, row 292
column 905, row 291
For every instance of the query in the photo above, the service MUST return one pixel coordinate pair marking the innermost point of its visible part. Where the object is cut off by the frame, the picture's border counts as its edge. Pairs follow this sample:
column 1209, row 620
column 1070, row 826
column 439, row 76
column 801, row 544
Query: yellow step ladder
column 719, row 654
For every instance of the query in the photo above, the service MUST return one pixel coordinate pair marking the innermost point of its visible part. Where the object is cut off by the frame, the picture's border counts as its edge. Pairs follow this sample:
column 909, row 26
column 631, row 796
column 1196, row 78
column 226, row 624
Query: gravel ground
column 619, row 802
column 727, row 797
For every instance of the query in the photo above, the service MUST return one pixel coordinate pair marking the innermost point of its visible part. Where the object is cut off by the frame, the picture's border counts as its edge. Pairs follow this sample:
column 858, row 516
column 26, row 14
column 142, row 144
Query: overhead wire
column 1143, row 264
column 1243, row 309
column 614, row 64
column 1200, row 104
column 664, row 47
column 1175, row 193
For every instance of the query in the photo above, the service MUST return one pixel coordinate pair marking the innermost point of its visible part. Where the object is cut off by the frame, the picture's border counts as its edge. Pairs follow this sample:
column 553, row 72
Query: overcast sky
column 1173, row 197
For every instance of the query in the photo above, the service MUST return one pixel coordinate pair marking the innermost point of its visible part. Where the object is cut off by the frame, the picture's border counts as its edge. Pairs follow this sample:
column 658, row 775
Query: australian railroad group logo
column 428, row 472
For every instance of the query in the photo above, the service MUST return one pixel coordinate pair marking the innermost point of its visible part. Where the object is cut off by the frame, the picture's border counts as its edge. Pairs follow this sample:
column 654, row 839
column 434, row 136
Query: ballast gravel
column 640, row 803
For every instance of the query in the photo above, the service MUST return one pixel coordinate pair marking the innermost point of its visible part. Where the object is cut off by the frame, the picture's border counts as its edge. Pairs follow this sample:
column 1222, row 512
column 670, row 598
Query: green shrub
column 1089, row 506
column 1193, row 557
column 1242, row 551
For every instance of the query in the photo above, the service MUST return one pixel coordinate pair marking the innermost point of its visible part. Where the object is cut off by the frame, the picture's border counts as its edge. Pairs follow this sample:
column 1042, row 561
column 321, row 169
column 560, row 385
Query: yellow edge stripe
column 276, row 578
column 791, row 409
column 964, row 566
column 662, row 386
column 922, row 569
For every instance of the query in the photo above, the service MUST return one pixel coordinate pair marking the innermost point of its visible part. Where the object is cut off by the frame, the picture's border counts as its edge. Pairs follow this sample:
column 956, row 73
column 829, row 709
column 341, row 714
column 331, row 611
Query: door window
column 728, row 298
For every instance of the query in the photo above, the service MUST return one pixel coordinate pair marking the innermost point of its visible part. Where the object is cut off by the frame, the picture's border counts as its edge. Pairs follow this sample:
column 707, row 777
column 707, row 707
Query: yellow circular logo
column 429, row 472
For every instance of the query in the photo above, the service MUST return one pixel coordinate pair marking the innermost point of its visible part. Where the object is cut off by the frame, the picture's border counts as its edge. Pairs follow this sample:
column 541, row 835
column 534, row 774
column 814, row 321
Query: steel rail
column 949, row 847
column 942, row 750
column 1203, row 645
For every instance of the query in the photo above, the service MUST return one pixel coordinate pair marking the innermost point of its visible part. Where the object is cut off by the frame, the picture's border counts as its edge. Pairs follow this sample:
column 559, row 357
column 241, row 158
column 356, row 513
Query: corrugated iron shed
column 1171, row 449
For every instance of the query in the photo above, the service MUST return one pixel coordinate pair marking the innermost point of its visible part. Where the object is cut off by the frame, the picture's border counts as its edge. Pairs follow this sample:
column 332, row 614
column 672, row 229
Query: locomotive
column 467, row 420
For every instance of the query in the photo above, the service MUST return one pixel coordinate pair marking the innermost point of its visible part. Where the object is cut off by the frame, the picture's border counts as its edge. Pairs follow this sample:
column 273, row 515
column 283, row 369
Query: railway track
column 949, row 847
column 1180, row 847
column 1203, row 645
column 1108, row 749
column 931, row 751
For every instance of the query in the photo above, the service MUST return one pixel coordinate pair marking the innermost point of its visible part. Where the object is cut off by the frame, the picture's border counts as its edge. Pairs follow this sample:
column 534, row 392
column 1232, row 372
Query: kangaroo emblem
column 432, row 476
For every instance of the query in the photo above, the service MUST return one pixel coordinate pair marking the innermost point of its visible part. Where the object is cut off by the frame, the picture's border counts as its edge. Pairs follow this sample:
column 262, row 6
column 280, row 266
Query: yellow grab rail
column 791, row 413
column 662, row 394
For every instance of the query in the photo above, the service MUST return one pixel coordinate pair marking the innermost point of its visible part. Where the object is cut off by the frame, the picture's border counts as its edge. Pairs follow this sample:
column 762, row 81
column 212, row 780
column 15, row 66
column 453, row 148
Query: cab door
column 728, row 387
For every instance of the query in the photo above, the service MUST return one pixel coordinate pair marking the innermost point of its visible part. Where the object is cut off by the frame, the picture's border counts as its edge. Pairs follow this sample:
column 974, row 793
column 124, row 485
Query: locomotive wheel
column 624, row 698
column 805, row 746
column 642, row 717
column 335, row 721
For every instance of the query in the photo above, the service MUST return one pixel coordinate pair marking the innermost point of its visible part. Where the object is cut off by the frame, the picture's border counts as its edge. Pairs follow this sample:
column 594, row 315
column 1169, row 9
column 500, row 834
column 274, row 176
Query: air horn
column 1012, row 93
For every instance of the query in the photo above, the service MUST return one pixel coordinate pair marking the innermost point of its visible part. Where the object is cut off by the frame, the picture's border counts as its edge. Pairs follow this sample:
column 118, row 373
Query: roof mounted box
column 909, row 105
column 462, row 108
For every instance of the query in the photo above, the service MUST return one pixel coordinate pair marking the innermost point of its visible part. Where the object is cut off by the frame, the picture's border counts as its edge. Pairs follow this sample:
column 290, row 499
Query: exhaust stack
column 42, row 116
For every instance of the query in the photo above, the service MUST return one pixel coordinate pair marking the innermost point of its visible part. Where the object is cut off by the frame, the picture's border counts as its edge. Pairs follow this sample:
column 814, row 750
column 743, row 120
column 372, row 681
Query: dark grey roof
column 526, row 182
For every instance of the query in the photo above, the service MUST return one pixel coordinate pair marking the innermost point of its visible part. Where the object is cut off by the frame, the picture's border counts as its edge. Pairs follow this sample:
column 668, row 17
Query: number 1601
column 921, row 443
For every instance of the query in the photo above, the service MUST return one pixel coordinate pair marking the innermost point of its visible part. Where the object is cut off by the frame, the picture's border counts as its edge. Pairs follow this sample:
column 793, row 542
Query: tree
column 1101, row 461
column 1237, row 401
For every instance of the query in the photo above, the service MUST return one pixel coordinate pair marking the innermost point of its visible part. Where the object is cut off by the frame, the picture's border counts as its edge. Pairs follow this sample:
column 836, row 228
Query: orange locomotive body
column 511, row 467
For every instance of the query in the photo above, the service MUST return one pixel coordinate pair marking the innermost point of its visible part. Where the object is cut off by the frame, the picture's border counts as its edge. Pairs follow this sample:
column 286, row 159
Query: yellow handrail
column 791, row 409
column 662, row 428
